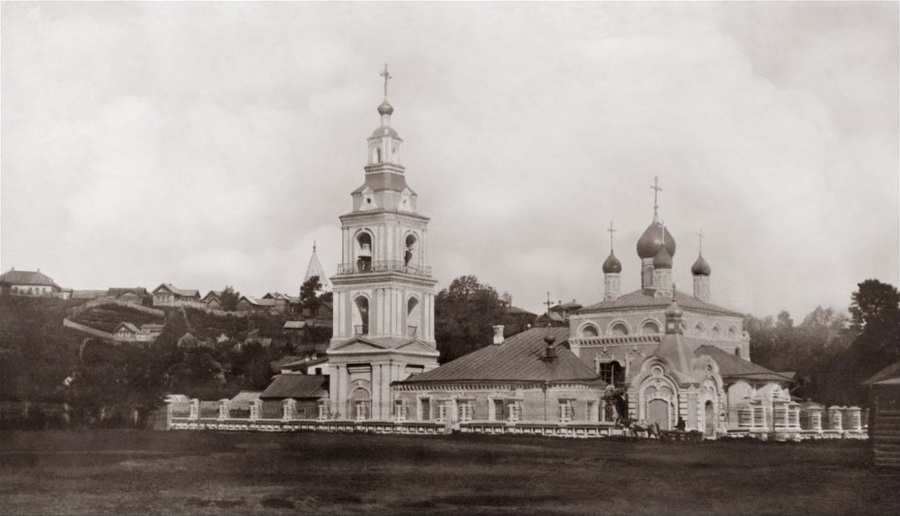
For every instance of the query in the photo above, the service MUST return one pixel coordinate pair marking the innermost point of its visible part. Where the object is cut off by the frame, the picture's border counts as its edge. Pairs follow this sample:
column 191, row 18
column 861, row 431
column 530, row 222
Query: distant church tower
column 383, row 289
column 315, row 269
column 612, row 268
column 701, row 271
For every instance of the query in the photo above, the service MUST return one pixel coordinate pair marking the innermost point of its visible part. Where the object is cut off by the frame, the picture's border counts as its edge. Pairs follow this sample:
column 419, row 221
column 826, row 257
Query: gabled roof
column 573, row 305
column 213, row 294
column 246, row 396
column 733, row 366
column 519, row 358
column 297, row 386
column 890, row 372
column 132, row 328
column 177, row 291
column 38, row 278
column 258, row 302
column 644, row 298
column 138, row 291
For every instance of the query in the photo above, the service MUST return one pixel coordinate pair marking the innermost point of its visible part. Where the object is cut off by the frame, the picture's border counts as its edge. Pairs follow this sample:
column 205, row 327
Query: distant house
column 28, row 283
column 88, row 294
column 307, row 365
column 558, row 315
column 253, row 304
column 169, row 295
column 128, row 332
column 309, row 392
column 136, row 295
column 282, row 301
column 213, row 300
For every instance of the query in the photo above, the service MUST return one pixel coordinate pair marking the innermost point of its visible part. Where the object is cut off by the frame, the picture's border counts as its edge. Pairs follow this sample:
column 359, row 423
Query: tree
column 874, row 301
column 309, row 295
column 464, row 314
column 229, row 298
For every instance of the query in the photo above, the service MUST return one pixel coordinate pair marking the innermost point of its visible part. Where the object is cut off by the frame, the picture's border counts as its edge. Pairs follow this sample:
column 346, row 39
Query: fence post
column 195, row 409
column 834, row 418
column 853, row 419
column 224, row 408
column 255, row 409
column 169, row 415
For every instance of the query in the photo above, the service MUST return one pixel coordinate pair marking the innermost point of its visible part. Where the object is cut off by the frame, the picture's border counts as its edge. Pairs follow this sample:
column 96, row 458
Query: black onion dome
column 612, row 264
column 662, row 260
column 385, row 108
column 700, row 267
column 652, row 239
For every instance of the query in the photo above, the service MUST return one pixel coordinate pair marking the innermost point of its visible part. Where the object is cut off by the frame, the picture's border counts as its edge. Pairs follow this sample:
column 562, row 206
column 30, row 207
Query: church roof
column 315, row 269
column 733, row 366
column 293, row 385
column 384, row 181
column 14, row 277
column 519, row 358
column 644, row 299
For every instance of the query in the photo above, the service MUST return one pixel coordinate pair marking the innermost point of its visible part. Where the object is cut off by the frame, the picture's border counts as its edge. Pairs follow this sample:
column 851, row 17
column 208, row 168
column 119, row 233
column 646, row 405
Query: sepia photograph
column 444, row 257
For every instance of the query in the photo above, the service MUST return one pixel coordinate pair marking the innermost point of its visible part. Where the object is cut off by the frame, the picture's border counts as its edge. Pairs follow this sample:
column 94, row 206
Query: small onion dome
column 700, row 267
column 662, row 260
column 674, row 310
column 652, row 239
column 385, row 108
column 612, row 264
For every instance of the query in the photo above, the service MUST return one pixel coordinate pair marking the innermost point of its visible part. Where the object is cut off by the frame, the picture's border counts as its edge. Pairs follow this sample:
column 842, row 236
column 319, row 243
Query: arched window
column 649, row 328
column 409, row 255
column 619, row 329
column 732, row 332
column 716, row 331
column 412, row 317
column 364, row 252
column 590, row 331
column 737, row 351
column 361, row 316
column 699, row 329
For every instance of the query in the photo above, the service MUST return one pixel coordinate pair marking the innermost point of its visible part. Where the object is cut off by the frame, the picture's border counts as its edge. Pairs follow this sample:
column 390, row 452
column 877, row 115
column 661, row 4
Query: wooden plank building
column 884, row 422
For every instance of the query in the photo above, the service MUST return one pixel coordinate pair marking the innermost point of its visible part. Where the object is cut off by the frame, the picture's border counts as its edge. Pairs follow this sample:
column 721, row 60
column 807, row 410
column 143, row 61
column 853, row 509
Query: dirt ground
column 145, row 472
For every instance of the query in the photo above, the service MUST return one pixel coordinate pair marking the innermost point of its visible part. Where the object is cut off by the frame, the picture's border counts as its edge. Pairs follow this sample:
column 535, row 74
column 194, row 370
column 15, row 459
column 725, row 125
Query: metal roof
column 293, row 385
column 644, row 298
column 519, row 358
column 733, row 366
column 14, row 277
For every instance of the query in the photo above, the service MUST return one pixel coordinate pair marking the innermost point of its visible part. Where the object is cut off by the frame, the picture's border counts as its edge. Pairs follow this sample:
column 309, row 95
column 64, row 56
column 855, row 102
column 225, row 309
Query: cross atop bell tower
column 387, row 76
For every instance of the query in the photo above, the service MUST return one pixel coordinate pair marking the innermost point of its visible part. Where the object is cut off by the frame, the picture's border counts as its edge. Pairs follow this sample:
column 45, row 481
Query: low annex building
column 169, row 295
column 531, row 376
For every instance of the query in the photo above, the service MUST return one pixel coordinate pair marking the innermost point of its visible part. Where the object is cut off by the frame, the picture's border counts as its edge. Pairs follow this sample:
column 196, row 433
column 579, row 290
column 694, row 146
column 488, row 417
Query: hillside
column 106, row 317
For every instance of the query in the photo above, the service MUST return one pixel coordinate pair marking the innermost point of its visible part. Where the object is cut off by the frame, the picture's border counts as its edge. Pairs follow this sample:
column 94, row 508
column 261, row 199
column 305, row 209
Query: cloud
column 210, row 144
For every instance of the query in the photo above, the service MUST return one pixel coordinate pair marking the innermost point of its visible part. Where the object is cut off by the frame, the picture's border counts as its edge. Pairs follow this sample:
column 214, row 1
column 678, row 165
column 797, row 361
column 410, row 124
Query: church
column 679, row 360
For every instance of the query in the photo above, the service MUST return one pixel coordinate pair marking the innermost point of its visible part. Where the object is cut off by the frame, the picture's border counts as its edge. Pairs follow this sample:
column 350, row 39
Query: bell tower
column 383, row 326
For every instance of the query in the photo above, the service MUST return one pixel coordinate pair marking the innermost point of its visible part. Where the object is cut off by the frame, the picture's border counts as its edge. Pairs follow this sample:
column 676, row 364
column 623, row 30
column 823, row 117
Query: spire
column 315, row 269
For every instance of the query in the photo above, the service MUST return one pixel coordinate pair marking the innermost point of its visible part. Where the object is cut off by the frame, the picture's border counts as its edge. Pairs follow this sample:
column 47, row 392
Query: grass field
column 144, row 472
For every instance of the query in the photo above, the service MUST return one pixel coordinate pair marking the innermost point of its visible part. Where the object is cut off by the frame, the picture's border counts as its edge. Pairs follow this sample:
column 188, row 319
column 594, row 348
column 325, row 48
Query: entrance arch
column 361, row 404
column 658, row 412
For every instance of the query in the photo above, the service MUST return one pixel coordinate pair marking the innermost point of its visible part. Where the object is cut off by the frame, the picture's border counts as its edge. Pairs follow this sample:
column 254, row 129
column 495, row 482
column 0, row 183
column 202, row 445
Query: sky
column 210, row 144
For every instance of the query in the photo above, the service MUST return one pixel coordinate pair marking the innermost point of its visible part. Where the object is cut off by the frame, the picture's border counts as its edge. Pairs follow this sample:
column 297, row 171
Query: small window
column 612, row 373
column 425, row 408
column 566, row 410
column 465, row 408
column 590, row 331
column 619, row 329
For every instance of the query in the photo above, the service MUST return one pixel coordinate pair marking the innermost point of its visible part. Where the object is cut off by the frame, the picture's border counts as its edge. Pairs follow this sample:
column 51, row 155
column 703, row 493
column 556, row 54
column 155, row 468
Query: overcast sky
column 209, row 144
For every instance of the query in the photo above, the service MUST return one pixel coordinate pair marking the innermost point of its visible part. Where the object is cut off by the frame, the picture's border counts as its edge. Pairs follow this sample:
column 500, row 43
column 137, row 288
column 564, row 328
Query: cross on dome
column 656, row 189
column 611, row 231
column 700, row 234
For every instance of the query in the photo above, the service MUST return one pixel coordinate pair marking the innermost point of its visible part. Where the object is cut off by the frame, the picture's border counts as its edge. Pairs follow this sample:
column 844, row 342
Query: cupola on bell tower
column 383, row 327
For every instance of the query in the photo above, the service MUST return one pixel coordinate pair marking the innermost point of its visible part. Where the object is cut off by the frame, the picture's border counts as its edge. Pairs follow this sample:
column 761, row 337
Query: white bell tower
column 383, row 290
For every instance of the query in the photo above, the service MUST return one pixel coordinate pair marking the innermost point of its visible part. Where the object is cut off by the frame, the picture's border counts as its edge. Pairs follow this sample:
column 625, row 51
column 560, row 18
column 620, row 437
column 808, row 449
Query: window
column 323, row 411
column 500, row 410
column 589, row 331
column 619, row 329
column 515, row 411
column 361, row 410
column 612, row 373
column 466, row 409
column 399, row 410
column 443, row 411
column 649, row 328
column 566, row 409
column 425, row 409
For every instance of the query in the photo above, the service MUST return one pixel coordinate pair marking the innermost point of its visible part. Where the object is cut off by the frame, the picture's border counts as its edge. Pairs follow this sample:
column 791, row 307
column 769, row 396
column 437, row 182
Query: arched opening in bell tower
column 361, row 315
column 363, row 252
column 410, row 258
column 413, row 317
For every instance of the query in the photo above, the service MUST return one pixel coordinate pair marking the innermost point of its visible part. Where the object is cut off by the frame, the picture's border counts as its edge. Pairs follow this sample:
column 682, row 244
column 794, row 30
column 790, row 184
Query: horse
column 639, row 426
